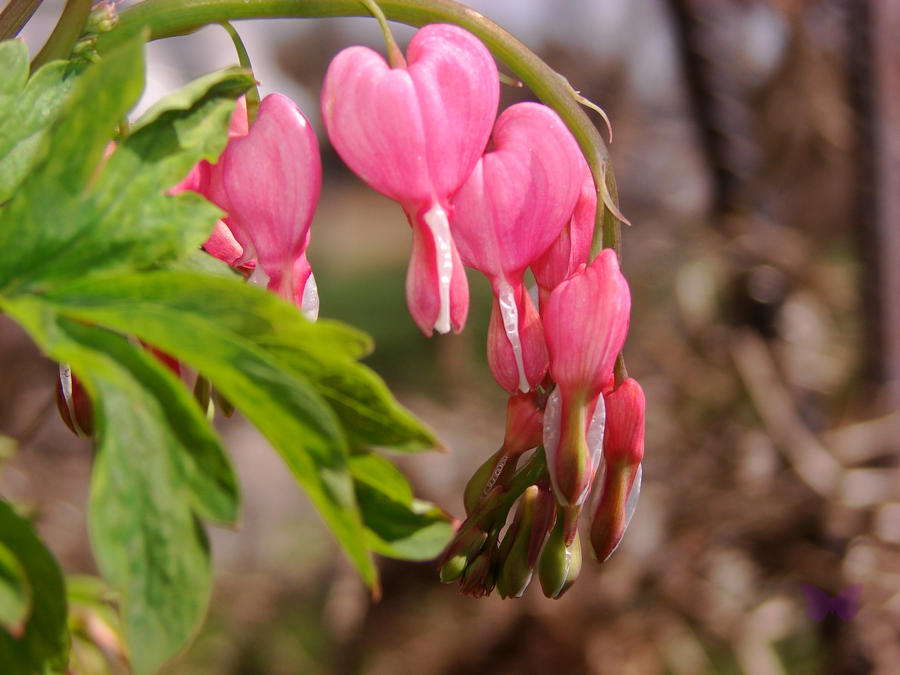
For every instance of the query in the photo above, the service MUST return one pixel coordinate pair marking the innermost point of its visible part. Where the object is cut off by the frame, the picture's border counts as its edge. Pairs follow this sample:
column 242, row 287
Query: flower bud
column 559, row 565
column 515, row 572
column 485, row 477
column 453, row 568
column 73, row 403
column 524, row 424
column 478, row 577
column 618, row 489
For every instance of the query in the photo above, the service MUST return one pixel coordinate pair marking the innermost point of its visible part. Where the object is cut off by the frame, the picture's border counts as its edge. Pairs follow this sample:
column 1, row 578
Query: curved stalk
column 168, row 18
column 15, row 15
column 66, row 33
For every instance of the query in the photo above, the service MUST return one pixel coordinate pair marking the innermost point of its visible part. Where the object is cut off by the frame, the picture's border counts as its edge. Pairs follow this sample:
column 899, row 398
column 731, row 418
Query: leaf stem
column 395, row 56
column 15, row 15
column 66, row 33
column 252, row 94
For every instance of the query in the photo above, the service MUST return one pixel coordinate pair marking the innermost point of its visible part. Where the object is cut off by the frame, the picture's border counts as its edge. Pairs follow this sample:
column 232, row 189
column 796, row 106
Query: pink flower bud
column 623, row 442
column 619, row 485
column 572, row 246
column 524, row 425
column 414, row 133
column 517, row 200
column 616, row 495
column 585, row 323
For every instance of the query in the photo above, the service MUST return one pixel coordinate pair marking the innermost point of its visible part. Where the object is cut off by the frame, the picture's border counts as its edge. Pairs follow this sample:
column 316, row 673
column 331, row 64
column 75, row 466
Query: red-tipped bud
column 73, row 403
column 623, row 441
column 617, row 491
column 524, row 424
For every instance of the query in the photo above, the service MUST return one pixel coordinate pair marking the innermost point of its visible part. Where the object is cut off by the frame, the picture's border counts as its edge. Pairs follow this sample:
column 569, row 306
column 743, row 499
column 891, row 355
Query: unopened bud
column 614, row 506
column 573, row 442
column 486, row 477
column 625, row 412
column 559, row 565
column 73, row 403
column 515, row 572
column 453, row 568
column 524, row 424
column 478, row 577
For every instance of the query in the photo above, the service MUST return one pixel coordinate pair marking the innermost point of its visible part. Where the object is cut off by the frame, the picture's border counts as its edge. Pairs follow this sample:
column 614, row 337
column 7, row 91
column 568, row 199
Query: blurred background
column 757, row 151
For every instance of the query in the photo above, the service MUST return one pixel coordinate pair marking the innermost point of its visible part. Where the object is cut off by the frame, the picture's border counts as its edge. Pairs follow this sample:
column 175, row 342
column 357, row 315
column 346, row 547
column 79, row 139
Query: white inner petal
column 65, row 382
column 309, row 304
column 595, row 435
column 551, row 431
column 258, row 277
column 510, row 314
column 631, row 502
column 436, row 220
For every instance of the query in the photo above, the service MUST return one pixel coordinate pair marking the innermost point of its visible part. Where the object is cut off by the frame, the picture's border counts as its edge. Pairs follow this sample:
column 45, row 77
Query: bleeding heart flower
column 267, row 181
column 585, row 323
column 519, row 197
column 272, row 178
column 414, row 132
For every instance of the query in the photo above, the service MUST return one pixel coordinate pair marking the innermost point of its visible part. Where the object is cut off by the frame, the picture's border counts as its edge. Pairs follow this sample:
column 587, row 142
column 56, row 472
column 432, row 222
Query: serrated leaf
column 120, row 217
column 15, row 593
column 220, row 327
column 228, row 82
column 399, row 526
column 158, row 464
column 26, row 112
column 45, row 215
column 43, row 647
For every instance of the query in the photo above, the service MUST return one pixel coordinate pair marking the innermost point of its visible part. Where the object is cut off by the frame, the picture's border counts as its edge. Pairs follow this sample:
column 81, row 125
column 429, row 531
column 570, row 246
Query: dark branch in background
column 875, row 91
column 696, row 71
column 15, row 15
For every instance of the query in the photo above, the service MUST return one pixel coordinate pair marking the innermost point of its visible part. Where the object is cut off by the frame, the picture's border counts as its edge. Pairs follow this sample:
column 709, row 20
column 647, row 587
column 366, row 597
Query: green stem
column 15, row 15
column 66, row 33
column 252, row 94
column 395, row 56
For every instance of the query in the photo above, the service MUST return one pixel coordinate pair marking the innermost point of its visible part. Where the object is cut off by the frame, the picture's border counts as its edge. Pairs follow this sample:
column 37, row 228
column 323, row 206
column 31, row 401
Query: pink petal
column 572, row 247
column 437, row 295
column 517, row 353
column 585, row 324
column 521, row 193
column 221, row 244
column 272, row 178
column 413, row 134
column 625, row 410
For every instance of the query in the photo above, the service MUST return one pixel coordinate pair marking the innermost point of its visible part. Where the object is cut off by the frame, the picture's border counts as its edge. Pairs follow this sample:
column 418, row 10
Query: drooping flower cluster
column 497, row 194
column 501, row 197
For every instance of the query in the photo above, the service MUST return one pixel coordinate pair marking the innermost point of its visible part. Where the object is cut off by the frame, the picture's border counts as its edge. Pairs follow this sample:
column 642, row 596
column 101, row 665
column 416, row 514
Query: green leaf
column 45, row 216
column 15, row 593
column 119, row 217
column 26, row 112
column 43, row 647
column 399, row 526
column 368, row 411
column 222, row 327
column 158, row 464
column 228, row 82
